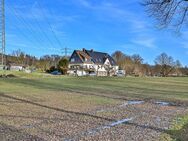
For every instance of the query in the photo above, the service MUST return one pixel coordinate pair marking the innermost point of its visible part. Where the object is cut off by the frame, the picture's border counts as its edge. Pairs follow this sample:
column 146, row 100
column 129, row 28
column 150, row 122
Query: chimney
column 84, row 50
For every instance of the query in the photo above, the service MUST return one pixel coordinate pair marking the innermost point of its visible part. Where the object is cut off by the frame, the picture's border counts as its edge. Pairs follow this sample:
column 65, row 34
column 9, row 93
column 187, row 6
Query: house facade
column 90, row 62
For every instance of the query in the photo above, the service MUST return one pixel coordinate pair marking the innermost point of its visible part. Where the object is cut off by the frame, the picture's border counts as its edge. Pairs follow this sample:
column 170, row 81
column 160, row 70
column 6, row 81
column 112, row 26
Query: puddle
column 93, row 131
column 120, row 122
column 162, row 103
column 96, row 130
column 132, row 102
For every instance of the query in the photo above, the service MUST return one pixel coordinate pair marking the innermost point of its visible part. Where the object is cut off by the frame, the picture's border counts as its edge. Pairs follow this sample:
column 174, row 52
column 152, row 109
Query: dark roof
column 89, row 56
column 80, row 57
column 100, row 57
column 83, row 55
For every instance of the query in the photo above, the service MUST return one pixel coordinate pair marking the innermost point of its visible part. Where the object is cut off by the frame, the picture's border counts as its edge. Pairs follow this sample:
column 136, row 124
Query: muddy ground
column 49, row 119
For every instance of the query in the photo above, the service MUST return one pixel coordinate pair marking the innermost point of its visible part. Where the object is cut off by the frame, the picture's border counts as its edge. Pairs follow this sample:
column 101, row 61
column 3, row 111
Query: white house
column 89, row 62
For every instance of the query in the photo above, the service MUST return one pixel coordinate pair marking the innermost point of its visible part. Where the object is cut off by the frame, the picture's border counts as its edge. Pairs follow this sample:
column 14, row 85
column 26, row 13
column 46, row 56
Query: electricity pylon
column 66, row 51
column 2, row 32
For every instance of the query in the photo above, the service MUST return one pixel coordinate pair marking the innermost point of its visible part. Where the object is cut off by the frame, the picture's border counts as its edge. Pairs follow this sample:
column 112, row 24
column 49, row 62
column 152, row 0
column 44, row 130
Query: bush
column 52, row 68
column 63, row 65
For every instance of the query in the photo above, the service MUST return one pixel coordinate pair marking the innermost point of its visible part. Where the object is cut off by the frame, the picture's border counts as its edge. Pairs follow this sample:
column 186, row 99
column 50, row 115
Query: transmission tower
column 2, row 32
column 66, row 51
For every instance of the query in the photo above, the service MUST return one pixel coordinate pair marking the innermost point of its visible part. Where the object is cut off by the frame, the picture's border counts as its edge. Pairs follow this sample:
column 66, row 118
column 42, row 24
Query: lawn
column 28, row 96
column 170, row 89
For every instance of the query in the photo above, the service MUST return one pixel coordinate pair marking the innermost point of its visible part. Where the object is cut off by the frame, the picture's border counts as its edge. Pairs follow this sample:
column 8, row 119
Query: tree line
column 164, row 66
column 46, row 63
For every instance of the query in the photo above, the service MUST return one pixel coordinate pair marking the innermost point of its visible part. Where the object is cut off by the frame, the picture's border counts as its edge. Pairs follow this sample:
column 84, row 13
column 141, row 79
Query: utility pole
column 2, row 33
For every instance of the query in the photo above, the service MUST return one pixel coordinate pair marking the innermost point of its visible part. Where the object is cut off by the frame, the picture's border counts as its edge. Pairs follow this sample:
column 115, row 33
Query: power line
column 51, row 28
column 28, row 26
column 40, row 27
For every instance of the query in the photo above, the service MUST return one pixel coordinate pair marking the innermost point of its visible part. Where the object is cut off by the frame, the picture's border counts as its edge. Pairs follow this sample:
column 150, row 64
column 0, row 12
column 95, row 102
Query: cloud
column 84, row 3
column 115, row 11
column 184, row 45
column 184, row 41
column 118, row 14
column 145, row 42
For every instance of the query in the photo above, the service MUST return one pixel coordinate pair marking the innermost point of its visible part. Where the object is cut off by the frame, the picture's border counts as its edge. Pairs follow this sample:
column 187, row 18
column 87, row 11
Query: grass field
column 175, row 89
column 79, row 95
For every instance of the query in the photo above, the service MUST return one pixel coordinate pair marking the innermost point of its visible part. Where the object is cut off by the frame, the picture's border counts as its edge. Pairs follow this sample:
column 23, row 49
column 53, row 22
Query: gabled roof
column 89, row 56
column 83, row 56
column 100, row 57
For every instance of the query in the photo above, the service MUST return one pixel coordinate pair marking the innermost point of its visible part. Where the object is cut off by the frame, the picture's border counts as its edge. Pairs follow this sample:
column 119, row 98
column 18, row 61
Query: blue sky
column 102, row 25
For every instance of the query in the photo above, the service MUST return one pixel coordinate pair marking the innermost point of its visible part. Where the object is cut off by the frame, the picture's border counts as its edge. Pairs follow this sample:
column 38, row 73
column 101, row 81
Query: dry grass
column 50, row 105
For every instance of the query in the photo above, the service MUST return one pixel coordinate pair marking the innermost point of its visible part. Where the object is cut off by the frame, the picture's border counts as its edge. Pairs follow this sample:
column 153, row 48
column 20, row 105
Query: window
column 72, row 60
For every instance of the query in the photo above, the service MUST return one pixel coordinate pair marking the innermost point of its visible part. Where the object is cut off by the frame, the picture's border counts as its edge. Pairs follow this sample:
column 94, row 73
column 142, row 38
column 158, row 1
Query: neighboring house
column 15, row 67
column 89, row 62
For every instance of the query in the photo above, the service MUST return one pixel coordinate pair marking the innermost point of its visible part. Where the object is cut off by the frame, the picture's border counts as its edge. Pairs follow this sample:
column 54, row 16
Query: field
column 43, row 107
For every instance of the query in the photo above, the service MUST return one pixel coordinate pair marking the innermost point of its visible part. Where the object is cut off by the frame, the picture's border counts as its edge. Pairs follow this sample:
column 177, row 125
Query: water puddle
column 132, row 102
column 120, row 122
column 97, row 130
column 161, row 103
column 116, row 123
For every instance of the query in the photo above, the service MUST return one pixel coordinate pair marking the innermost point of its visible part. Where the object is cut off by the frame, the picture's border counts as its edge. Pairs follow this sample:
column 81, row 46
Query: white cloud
column 184, row 42
column 145, row 42
column 109, row 11
column 84, row 3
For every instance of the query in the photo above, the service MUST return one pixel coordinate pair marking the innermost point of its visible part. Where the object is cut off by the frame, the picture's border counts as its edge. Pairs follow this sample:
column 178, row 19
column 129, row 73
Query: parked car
column 92, row 74
column 55, row 73
column 120, row 73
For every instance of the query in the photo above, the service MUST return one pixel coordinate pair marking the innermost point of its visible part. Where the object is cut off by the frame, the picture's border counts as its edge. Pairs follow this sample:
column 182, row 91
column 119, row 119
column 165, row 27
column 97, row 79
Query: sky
column 41, row 27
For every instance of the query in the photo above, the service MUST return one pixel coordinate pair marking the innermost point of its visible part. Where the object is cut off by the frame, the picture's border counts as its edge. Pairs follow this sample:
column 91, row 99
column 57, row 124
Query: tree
column 63, row 65
column 178, row 67
column 119, row 58
column 131, row 64
column 178, row 64
column 137, row 59
column 20, row 56
column 166, row 64
column 168, row 12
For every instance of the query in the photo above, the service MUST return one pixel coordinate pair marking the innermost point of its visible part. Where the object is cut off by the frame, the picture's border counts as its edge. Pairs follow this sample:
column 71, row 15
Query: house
column 90, row 62
column 15, row 67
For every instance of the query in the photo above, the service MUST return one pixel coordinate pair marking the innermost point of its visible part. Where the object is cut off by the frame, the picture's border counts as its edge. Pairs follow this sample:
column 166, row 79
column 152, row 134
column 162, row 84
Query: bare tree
column 166, row 64
column 137, row 59
column 119, row 58
column 168, row 12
